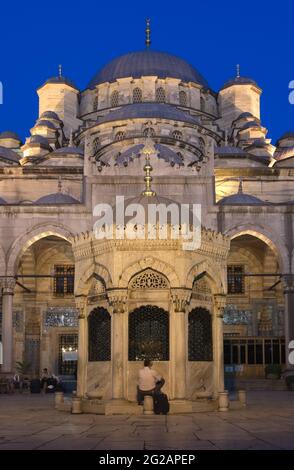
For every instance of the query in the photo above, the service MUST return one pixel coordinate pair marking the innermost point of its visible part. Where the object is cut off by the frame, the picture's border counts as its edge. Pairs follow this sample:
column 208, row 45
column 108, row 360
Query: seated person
column 149, row 381
column 44, row 378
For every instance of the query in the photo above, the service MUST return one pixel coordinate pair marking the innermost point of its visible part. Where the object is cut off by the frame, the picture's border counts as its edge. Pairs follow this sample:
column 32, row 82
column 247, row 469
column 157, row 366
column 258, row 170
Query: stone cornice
column 85, row 245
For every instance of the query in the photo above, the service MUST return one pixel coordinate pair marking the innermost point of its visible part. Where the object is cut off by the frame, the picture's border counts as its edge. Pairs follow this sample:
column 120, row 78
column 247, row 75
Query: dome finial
column 148, row 150
column 60, row 70
column 148, row 33
column 238, row 70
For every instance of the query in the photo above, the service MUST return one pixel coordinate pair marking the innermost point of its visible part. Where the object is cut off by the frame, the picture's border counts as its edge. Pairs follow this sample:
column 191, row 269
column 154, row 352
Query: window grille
column 236, row 279
column 149, row 334
column 114, row 99
column 149, row 132
column 137, row 95
column 95, row 103
column 149, row 279
column 119, row 136
column 177, row 135
column 99, row 333
column 67, row 343
column 64, row 279
column 160, row 95
column 183, row 98
column 199, row 335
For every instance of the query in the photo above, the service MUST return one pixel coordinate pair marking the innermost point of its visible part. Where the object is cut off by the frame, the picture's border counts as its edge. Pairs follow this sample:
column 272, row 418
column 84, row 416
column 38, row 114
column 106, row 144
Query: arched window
column 160, row 95
column 177, row 135
column 137, row 95
column 119, row 136
column 201, row 145
column 202, row 103
column 183, row 98
column 149, row 132
column 95, row 103
column 149, row 334
column 99, row 335
column 96, row 144
column 199, row 335
column 114, row 99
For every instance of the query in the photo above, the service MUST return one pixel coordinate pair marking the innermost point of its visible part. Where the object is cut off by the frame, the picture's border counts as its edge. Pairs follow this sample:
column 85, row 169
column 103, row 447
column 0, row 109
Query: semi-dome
column 8, row 154
column 146, row 63
column 148, row 110
column 57, row 198
column 45, row 123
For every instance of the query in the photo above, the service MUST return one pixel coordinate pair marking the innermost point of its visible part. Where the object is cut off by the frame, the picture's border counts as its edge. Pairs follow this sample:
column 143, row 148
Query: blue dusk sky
column 213, row 36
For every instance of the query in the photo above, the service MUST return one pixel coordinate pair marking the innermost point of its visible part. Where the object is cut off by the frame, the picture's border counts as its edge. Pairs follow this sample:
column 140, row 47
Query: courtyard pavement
column 31, row 422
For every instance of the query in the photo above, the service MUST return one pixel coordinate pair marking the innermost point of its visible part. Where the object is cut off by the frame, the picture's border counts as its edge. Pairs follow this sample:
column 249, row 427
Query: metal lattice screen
column 99, row 328
column 200, row 335
column 149, row 334
column 67, row 342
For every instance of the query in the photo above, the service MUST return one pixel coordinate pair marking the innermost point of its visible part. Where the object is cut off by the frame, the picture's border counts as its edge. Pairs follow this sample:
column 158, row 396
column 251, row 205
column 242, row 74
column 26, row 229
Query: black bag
column 35, row 386
column 161, row 404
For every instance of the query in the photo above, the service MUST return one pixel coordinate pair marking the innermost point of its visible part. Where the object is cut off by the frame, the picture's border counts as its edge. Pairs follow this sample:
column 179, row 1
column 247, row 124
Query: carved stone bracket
column 117, row 299
column 181, row 298
column 81, row 302
column 220, row 301
column 8, row 285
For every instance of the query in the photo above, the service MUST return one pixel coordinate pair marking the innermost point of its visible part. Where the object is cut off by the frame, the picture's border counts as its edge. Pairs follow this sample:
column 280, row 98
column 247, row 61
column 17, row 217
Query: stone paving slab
column 31, row 422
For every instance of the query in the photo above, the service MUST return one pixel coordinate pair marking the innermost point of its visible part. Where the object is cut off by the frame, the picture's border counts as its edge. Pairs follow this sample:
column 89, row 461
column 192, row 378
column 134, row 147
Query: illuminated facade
column 130, row 299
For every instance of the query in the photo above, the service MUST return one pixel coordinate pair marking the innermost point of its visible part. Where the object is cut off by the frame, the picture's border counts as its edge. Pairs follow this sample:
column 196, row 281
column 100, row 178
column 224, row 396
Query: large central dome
column 148, row 62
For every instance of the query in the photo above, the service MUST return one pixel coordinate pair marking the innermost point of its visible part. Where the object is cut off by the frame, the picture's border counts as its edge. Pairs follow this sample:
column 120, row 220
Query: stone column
column 288, row 284
column 117, row 300
column 218, row 343
column 180, row 299
column 81, row 304
column 8, row 285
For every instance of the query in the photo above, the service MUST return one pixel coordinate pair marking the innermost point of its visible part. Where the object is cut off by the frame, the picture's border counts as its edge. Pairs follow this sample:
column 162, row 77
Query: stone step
column 260, row 384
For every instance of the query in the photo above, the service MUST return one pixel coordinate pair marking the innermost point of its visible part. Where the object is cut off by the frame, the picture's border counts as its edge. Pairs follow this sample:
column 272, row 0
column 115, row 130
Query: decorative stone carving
column 80, row 304
column 220, row 303
column 117, row 300
column 149, row 279
column 180, row 298
column 8, row 285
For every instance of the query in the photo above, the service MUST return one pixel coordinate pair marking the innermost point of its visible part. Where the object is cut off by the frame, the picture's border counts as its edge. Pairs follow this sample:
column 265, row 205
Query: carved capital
column 181, row 298
column 8, row 285
column 81, row 302
column 117, row 299
column 220, row 301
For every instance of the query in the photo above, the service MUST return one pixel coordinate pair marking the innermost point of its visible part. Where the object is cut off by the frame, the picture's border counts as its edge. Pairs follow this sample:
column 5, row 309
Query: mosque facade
column 74, row 303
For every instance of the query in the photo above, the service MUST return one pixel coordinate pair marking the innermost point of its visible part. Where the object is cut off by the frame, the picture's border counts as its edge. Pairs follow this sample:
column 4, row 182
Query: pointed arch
column 24, row 241
column 152, row 263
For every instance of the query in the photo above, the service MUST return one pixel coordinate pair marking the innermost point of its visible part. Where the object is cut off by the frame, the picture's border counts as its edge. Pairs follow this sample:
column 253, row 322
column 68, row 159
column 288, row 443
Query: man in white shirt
column 148, row 381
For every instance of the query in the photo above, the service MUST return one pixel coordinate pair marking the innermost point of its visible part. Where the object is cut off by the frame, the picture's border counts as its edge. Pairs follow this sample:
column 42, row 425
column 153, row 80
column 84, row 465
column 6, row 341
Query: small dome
column 57, row 198
column 9, row 135
column 249, row 124
column 69, row 150
column 244, row 116
column 9, row 155
column 146, row 63
column 45, row 123
column 241, row 199
column 286, row 136
column 39, row 139
column 148, row 110
column 239, row 81
column 2, row 201
column 59, row 81
column 49, row 115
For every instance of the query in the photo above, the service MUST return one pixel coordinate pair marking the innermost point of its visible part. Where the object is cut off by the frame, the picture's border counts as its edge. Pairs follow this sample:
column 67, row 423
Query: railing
column 254, row 350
